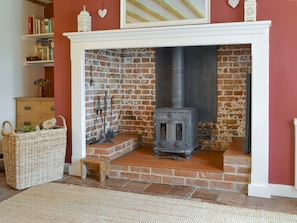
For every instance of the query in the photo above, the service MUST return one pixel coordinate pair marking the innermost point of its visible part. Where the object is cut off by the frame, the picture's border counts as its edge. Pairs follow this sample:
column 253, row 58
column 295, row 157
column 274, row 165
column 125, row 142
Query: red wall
column 283, row 90
column 66, row 12
column 283, row 66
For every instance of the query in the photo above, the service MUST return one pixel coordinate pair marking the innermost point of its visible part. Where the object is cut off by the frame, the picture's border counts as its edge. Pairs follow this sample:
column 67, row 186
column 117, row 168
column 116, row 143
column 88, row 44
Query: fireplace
column 254, row 33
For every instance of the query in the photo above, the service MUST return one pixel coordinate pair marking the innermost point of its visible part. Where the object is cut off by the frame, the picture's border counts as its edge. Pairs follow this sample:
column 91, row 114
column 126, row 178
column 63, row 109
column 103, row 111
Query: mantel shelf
column 158, row 36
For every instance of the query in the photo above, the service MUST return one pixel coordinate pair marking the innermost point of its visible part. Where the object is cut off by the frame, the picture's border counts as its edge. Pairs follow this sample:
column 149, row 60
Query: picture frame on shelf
column 154, row 13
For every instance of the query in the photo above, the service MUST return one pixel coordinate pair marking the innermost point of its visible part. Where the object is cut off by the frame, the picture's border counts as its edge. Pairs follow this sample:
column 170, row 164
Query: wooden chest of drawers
column 34, row 110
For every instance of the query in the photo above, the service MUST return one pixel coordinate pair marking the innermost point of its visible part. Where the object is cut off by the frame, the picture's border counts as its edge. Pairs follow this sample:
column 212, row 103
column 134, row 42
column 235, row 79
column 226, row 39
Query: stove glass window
column 163, row 131
column 179, row 131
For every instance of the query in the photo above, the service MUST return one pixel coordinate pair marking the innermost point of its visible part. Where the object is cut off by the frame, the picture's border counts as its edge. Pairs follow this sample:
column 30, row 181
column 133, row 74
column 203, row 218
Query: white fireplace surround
column 254, row 33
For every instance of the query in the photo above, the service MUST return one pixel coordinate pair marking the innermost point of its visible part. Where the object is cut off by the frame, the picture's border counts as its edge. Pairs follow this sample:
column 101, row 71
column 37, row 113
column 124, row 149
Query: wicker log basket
column 33, row 158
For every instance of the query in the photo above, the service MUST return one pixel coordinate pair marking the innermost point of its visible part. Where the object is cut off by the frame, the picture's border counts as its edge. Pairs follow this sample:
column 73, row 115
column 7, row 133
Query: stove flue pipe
column 177, row 78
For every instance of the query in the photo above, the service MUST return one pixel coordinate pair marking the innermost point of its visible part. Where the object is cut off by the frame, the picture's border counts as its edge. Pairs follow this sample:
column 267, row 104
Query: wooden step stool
column 102, row 162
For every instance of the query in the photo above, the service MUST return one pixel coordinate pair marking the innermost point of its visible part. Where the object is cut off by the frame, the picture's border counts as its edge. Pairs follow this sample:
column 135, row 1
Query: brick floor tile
column 231, row 198
column 181, row 191
column 158, row 188
column 135, row 186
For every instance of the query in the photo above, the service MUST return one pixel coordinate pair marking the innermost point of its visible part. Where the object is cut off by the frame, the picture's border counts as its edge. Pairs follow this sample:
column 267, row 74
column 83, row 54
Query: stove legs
column 175, row 156
column 156, row 152
column 188, row 155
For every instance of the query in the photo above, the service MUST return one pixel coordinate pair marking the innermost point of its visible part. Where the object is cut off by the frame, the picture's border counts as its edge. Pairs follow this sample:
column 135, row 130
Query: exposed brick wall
column 106, row 76
column 138, row 92
column 234, row 61
column 129, row 77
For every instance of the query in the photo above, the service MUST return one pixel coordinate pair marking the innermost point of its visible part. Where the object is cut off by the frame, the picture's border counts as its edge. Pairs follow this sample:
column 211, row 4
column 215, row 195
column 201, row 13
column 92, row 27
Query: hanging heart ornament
column 233, row 3
column 102, row 13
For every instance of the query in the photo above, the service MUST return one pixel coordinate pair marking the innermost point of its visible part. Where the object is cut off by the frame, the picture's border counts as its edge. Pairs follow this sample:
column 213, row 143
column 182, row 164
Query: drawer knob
column 52, row 108
column 27, row 123
column 27, row 107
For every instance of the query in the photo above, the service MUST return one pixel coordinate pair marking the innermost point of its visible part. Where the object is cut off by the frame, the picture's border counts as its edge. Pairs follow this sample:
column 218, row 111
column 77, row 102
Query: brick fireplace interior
column 129, row 77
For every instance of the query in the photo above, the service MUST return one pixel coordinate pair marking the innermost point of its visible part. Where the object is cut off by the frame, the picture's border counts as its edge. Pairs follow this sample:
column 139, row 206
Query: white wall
column 15, row 79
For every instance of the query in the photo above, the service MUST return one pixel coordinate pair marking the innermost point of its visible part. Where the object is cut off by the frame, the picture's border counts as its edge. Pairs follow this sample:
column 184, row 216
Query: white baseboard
column 283, row 190
column 73, row 170
column 272, row 190
column 67, row 167
column 255, row 190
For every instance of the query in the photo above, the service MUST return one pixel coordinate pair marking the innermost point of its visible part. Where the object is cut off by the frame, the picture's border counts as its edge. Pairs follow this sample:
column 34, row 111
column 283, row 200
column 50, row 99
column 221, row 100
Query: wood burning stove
column 176, row 127
column 176, row 131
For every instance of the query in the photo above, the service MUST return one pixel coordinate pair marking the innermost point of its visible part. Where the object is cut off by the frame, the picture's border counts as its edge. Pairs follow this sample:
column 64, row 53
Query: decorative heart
column 233, row 3
column 102, row 12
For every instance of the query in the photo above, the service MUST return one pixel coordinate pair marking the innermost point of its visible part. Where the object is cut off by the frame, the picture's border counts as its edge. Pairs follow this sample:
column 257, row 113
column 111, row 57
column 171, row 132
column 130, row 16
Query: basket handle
column 11, row 130
column 63, row 120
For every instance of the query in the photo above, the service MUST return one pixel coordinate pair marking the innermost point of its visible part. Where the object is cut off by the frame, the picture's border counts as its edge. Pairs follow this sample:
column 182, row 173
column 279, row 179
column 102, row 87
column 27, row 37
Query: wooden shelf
column 42, row 3
column 40, row 63
column 35, row 37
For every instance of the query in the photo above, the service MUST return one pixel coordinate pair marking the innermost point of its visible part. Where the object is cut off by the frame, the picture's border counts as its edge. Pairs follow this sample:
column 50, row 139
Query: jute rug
column 54, row 202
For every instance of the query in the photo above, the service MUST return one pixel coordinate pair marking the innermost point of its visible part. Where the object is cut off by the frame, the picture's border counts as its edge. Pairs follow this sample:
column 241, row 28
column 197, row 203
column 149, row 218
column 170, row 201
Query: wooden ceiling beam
column 170, row 9
column 193, row 8
column 148, row 10
column 137, row 17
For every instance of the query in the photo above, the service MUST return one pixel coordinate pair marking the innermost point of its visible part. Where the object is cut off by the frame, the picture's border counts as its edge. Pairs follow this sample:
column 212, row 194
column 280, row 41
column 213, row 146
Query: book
column 43, row 48
column 46, row 26
column 42, row 26
column 51, row 48
column 33, row 25
column 38, row 26
column 30, row 25
column 51, row 23
column 43, row 53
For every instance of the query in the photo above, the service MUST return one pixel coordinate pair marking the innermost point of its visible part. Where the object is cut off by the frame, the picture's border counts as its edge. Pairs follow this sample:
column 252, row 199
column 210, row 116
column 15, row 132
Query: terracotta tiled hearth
column 229, row 170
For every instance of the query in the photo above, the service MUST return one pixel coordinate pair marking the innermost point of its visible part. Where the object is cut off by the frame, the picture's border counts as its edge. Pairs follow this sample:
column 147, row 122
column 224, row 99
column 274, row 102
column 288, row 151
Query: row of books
column 44, row 49
column 38, row 26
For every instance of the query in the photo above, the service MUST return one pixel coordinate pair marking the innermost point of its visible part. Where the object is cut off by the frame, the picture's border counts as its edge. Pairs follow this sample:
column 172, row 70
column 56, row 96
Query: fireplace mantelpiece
column 254, row 33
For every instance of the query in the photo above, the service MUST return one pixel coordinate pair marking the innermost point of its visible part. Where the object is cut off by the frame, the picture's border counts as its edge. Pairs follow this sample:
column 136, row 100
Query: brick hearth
column 229, row 170
column 120, row 145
